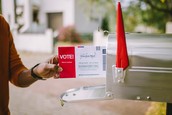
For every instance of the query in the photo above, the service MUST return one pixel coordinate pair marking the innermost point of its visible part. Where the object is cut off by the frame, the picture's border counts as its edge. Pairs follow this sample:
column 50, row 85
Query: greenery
column 131, row 16
column 105, row 24
column 157, row 109
column 100, row 9
column 69, row 33
column 155, row 13
column 163, row 6
column 87, row 37
column 151, row 13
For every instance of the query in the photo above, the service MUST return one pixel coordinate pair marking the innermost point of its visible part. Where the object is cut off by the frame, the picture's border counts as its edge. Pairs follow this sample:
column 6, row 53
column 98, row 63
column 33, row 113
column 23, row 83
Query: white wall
column 34, row 42
column 27, row 14
column 82, row 20
column 169, row 27
column 73, row 14
column 99, row 39
column 51, row 6
column 8, row 12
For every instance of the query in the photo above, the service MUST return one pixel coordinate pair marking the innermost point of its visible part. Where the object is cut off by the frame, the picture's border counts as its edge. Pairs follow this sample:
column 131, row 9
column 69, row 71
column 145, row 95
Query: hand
column 48, row 69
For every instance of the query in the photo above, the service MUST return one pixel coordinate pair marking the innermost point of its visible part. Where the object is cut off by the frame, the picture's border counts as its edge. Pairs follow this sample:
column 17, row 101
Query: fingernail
column 56, row 76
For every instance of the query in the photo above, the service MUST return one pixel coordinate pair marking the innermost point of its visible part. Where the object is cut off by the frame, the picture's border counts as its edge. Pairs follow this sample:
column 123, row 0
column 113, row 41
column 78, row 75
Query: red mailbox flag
column 121, row 56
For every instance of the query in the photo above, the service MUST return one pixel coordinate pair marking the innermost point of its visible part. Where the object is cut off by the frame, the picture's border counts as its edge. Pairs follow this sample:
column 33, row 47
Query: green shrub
column 69, row 33
column 157, row 109
column 105, row 24
column 87, row 37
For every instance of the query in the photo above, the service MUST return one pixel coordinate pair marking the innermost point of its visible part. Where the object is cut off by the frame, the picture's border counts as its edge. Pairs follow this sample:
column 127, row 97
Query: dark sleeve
column 15, row 64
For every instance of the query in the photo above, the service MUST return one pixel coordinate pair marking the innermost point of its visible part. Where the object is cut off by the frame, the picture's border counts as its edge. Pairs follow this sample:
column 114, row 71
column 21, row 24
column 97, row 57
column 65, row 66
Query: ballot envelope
column 147, row 78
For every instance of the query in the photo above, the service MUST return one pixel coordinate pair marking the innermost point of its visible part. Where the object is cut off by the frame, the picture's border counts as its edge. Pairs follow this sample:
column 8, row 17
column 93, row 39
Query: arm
column 43, row 70
column 18, row 74
column 21, row 76
column 25, row 79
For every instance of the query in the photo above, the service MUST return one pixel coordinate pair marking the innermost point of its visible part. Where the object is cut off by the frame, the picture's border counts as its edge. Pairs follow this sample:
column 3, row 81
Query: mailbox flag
column 121, row 56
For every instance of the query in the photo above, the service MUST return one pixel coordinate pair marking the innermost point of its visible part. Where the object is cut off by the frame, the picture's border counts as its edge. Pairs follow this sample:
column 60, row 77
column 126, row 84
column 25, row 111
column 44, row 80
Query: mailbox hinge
column 118, row 74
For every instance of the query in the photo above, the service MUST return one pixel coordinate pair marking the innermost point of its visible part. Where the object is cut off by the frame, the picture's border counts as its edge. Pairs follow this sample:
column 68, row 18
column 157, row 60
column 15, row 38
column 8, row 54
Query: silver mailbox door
column 149, row 75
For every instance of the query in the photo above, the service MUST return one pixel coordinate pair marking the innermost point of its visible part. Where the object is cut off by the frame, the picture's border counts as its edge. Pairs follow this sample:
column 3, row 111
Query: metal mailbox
column 148, row 77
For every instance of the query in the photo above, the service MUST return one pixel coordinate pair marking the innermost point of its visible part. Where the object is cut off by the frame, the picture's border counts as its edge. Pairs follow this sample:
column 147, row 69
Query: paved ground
column 42, row 98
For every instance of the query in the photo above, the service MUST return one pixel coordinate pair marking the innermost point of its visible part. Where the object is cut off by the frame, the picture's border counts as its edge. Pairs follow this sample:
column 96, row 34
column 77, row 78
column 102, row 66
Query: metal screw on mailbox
column 109, row 95
column 148, row 97
column 119, row 71
column 119, row 81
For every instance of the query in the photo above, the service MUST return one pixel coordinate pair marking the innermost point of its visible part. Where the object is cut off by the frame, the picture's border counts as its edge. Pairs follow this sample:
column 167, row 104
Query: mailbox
column 148, row 76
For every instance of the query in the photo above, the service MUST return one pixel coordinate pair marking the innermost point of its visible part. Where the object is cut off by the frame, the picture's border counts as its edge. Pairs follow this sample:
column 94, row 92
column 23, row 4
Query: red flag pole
column 122, row 55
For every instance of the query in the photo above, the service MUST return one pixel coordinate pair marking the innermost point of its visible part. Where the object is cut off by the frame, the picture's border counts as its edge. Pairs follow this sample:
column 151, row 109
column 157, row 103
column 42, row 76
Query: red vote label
column 67, row 61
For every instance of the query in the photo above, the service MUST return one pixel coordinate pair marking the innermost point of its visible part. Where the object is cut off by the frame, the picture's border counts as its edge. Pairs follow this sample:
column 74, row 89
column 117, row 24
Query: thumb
column 53, row 67
column 50, row 66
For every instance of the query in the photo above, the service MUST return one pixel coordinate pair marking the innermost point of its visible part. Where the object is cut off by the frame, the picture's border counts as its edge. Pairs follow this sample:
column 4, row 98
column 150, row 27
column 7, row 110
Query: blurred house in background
column 30, row 19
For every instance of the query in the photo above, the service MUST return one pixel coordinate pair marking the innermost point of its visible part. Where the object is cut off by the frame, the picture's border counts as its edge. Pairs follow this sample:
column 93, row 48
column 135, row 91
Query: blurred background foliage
column 157, row 109
column 70, row 34
column 150, row 13
column 156, row 13
column 105, row 23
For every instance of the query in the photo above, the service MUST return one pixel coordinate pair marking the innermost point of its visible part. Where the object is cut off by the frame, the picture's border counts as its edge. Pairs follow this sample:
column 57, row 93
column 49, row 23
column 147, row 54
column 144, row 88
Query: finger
column 56, row 76
column 55, row 59
column 60, row 69
column 51, row 60
column 53, row 67
column 50, row 67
